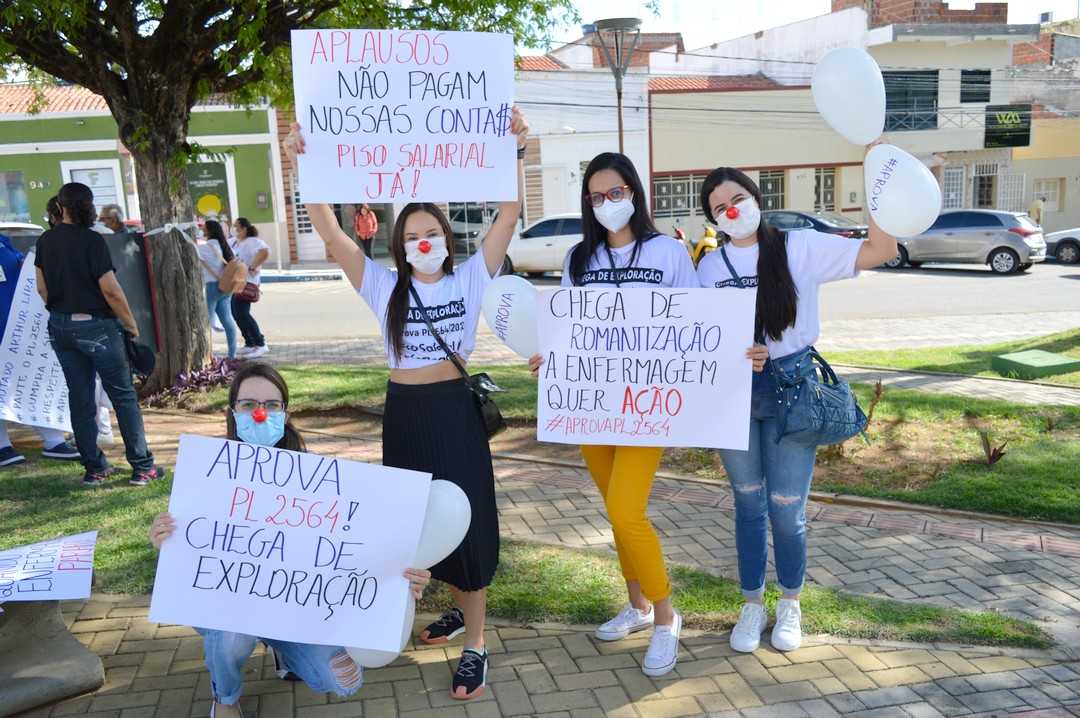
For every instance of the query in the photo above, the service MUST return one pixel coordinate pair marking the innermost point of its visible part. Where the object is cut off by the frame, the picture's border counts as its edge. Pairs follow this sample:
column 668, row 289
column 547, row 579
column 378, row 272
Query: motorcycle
column 701, row 247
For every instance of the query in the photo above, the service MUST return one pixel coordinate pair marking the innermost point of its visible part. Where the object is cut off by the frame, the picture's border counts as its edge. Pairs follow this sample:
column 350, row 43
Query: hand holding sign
column 509, row 306
column 850, row 94
column 903, row 197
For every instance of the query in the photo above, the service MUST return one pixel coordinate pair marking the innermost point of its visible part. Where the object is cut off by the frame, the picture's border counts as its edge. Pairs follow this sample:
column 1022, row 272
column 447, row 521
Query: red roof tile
column 710, row 82
column 539, row 62
column 17, row 99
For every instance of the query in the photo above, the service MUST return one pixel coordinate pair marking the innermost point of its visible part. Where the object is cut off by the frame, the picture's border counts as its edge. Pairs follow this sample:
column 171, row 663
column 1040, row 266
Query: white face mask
column 746, row 220
column 430, row 261
column 614, row 215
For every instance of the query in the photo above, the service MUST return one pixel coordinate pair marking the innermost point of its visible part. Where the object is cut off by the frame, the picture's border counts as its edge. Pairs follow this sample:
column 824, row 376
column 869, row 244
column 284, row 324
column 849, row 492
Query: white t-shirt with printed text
column 453, row 303
column 246, row 251
column 661, row 262
column 814, row 258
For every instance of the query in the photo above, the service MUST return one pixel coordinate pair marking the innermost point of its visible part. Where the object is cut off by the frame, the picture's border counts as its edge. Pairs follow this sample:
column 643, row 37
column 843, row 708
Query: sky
column 703, row 22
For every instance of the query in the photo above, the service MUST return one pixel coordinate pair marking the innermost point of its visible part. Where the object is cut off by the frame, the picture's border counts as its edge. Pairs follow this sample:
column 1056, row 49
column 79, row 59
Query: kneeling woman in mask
column 431, row 422
column 257, row 414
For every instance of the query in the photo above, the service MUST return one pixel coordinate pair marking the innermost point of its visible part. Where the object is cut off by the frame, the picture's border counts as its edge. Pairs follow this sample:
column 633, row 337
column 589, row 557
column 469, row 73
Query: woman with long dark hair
column 324, row 668
column 214, row 254
column 253, row 252
column 771, row 479
column 621, row 248
column 426, row 393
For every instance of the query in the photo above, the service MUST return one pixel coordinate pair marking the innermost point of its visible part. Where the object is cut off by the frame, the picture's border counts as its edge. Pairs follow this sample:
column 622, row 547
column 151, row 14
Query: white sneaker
column 244, row 351
column 106, row 438
column 629, row 620
column 663, row 649
column 787, row 631
column 258, row 352
column 746, row 636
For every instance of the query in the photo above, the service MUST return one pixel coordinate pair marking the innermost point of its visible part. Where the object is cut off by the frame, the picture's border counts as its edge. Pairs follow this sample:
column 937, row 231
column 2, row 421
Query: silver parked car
column 1007, row 241
column 1065, row 245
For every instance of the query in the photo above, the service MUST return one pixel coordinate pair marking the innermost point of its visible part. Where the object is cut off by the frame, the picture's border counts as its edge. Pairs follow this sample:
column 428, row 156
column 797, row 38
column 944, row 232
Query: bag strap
column 205, row 264
column 735, row 275
column 439, row 339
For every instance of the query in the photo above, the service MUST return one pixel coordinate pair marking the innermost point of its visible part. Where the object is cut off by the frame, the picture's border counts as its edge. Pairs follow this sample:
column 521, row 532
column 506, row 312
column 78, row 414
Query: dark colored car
column 822, row 221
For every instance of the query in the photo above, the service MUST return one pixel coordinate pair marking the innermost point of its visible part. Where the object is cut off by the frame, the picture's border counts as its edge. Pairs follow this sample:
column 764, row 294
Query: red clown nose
column 732, row 212
column 424, row 246
column 259, row 415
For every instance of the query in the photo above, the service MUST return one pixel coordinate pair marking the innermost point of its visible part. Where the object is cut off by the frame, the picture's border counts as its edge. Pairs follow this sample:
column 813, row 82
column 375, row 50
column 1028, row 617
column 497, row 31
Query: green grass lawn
column 45, row 500
column 971, row 360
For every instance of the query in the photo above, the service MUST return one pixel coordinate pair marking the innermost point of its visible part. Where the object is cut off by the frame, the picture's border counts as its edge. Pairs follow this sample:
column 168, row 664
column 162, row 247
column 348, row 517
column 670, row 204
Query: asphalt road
column 1045, row 297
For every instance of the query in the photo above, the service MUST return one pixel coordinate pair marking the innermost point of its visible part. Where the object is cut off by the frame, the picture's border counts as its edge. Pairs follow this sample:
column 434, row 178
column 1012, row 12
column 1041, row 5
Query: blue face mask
column 263, row 433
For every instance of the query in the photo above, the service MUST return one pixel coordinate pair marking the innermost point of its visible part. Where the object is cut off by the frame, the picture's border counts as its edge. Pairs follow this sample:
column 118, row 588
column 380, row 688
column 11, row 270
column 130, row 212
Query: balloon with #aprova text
column 509, row 307
column 849, row 92
column 902, row 195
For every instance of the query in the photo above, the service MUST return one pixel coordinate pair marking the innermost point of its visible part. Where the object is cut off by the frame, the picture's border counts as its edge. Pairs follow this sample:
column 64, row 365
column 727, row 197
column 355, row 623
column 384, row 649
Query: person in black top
column 87, row 311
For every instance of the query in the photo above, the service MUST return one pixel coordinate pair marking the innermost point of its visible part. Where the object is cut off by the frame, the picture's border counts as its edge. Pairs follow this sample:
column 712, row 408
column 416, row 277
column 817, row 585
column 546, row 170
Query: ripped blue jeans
column 86, row 345
column 227, row 652
column 771, row 481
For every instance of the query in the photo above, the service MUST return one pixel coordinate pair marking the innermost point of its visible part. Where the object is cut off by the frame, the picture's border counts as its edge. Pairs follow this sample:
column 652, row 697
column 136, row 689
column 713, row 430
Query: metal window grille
column 300, row 216
column 825, row 188
column 771, row 183
column 1011, row 192
column 676, row 195
column 952, row 195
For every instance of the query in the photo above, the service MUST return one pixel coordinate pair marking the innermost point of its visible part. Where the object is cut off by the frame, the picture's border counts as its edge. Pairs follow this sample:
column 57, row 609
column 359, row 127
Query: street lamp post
column 619, row 29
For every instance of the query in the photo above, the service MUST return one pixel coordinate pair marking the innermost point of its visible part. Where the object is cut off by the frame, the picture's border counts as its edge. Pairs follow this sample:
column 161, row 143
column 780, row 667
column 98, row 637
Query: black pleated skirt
column 437, row 428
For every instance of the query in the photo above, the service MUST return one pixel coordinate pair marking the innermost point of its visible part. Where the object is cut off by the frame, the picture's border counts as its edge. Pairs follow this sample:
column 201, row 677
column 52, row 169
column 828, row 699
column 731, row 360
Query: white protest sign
column 287, row 545
column 55, row 570
column 405, row 116
column 645, row 367
column 32, row 386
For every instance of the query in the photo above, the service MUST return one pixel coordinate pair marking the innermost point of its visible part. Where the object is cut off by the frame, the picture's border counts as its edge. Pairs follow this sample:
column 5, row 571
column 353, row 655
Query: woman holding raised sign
column 771, row 479
column 257, row 414
column 621, row 248
column 426, row 394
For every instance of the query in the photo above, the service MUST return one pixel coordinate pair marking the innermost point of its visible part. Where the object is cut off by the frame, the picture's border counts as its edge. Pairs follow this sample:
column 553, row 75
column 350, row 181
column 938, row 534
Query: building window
column 825, row 188
column 985, row 183
column 1051, row 190
column 975, row 86
column 13, row 204
column 771, row 183
column 676, row 195
column 911, row 99
column 952, row 182
column 301, row 220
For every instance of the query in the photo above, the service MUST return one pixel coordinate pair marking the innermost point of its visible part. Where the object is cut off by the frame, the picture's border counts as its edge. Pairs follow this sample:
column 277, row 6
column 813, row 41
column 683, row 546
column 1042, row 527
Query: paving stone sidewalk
column 1028, row 570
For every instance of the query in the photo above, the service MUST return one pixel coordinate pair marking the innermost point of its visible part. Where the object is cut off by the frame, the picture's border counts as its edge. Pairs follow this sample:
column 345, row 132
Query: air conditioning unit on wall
column 1046, row 17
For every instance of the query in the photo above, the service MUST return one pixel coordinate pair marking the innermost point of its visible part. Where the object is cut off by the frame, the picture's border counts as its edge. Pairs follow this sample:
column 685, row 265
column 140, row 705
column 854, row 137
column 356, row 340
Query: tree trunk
column 175, row 273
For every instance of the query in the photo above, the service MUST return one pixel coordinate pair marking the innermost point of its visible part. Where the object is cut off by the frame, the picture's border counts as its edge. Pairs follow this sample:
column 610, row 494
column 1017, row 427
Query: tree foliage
column 153, row 60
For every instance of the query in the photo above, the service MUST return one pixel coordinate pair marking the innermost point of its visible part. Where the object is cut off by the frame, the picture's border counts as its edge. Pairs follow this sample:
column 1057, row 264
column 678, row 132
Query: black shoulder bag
column 819, row 411
column 480, row 385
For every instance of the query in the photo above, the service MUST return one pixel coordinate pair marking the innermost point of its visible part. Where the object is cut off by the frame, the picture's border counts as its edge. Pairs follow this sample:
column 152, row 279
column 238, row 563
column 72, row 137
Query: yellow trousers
column 624, row 475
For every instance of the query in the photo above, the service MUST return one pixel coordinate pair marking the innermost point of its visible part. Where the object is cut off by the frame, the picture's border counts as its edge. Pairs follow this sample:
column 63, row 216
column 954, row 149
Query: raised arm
column 880, row 247
column 502, row 229
column 344, row 251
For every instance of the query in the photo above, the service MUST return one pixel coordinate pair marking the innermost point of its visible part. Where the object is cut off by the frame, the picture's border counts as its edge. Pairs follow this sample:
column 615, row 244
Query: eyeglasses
column 615, row 194
column 246, row 406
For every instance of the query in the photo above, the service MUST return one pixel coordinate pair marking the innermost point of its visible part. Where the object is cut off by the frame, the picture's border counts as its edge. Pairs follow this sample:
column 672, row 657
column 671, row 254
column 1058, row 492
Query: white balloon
column 445, row 523
column 509, row 306
column 850, row 94
column 371, row 658
column 902, row 195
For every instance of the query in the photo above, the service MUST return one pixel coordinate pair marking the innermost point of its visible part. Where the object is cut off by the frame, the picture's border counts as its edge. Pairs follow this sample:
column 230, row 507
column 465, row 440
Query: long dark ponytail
column 214, row 230
column 397, row 308
column 777, row 297
column 593, row 233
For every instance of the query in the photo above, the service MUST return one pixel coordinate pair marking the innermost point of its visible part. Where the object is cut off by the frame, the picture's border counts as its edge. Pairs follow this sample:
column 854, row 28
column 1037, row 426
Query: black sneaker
column 449, row 625
column 142, row 478
column 280, row 668
column 471, row 676
column 94, row 477
column 63, row 450
column 10, row 457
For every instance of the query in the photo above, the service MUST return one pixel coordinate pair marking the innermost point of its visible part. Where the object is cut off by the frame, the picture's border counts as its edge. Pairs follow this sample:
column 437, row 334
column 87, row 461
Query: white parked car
column 542, row 246
column 21, row 229
column 1065, row 245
